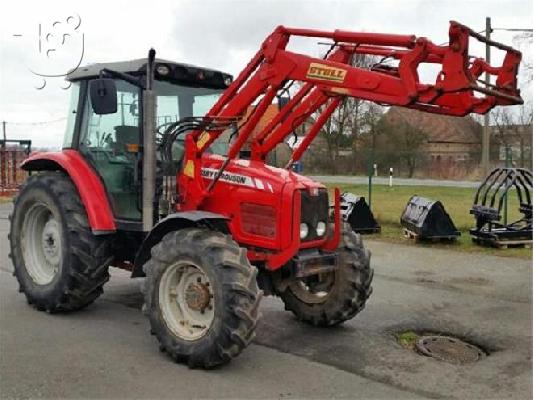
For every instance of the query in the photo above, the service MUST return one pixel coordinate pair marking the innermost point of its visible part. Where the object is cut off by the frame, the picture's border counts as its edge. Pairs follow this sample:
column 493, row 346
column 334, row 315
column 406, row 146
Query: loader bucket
column 488, row 208
column 356, row 211
column 425, row 219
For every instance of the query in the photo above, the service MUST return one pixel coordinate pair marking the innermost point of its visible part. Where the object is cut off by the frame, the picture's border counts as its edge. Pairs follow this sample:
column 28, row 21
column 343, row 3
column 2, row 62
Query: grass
column 388, row 204
column 407, row 339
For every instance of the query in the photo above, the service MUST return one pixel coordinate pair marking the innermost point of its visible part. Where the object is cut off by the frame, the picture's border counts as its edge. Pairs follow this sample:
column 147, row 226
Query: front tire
column 201, row 297
column 59, row 264
column 337, row 296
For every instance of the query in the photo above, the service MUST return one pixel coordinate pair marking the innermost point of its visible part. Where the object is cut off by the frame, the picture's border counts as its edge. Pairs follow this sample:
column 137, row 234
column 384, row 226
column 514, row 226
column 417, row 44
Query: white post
column 375, row 167
column 390, row 176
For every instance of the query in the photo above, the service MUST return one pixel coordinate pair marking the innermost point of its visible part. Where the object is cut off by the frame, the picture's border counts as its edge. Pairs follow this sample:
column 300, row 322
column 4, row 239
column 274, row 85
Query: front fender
column 88, row 183
column 173, row 222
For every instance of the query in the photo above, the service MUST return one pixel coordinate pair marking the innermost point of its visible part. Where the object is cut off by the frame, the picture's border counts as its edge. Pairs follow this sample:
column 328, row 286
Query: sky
column 221, row 34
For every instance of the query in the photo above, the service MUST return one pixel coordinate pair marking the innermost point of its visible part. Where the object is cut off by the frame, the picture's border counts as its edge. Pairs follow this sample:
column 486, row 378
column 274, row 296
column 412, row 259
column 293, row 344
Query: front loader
column 163, row 172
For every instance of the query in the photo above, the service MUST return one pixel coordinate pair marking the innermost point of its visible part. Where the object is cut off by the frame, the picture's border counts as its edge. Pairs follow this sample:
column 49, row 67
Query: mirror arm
column 125, row 77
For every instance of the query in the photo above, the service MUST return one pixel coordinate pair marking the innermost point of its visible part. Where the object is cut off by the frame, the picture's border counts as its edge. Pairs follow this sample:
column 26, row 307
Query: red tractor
column 161, row 173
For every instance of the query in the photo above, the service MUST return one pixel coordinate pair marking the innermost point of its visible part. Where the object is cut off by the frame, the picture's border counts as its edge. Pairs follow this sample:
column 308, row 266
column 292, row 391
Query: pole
column 3, row 159
column 370, row 170
column 485, row 160
column 391, row 177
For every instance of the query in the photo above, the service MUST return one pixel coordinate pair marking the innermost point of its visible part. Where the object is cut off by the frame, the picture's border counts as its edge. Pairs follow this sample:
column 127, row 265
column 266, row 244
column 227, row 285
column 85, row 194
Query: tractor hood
column 254, row 175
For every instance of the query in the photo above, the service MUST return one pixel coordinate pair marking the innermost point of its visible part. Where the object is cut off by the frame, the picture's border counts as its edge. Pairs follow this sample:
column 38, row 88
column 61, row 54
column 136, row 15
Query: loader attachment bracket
column 489, row 206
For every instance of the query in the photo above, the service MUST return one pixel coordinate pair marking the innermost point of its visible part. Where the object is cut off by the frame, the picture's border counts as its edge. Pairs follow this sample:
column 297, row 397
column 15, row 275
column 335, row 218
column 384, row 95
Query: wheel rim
column 41, row 244
column 186, row 300
column 314, row 289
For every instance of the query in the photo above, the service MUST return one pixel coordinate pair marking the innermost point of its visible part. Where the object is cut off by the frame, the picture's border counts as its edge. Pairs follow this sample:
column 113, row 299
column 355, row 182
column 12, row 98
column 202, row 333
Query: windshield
column 175, row 102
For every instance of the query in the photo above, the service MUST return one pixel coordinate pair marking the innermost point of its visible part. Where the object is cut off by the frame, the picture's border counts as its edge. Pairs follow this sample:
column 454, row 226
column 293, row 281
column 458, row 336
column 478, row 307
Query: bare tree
column 512, row 126
column 512, row 129
column 523, row 41
column 348, row 123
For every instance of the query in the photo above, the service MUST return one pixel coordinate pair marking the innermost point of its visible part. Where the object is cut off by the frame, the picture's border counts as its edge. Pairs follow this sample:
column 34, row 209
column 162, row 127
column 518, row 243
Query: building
column 449, row 139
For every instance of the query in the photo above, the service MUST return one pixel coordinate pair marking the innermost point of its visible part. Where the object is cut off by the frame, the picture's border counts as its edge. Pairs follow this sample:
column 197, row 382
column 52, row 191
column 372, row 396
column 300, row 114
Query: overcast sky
column 220, row 34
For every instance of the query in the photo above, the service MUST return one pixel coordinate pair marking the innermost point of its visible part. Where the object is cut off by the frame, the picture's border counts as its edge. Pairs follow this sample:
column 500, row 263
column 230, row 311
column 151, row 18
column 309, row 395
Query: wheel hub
column 186, row 300
column 197, row 296
column 50, row 241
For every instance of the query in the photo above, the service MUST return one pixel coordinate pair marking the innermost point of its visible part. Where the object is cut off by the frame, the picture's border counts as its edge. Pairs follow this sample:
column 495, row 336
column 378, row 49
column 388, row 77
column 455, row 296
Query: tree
column 347, row 124
column 401, row 145
column 512, row 128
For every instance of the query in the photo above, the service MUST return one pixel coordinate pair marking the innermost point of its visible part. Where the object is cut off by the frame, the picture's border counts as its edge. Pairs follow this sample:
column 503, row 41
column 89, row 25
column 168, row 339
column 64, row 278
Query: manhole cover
column 446, row 348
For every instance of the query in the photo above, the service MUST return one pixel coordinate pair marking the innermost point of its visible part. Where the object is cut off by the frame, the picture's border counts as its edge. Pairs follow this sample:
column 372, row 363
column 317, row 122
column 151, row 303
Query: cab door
column 111, row 143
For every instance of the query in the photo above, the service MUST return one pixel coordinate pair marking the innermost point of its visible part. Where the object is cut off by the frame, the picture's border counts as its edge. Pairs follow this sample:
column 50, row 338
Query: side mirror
column 103, row 94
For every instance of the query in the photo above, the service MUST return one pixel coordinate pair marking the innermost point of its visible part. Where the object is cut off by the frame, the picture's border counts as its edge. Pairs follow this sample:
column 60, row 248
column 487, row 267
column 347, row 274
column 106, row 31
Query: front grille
column 313, row 209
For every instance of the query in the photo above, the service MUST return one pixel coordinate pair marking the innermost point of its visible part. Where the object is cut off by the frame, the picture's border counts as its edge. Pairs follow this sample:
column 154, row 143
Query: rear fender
column 90, row 188
column 174, row 222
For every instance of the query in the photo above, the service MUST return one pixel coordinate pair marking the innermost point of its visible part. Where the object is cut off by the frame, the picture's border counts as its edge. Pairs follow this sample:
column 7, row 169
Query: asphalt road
column 106, row 351
column 380, row 180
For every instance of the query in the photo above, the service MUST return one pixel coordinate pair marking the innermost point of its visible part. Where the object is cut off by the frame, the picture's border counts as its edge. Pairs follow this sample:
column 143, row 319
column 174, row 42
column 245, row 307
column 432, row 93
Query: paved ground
column 364, row 180
column 105, row 351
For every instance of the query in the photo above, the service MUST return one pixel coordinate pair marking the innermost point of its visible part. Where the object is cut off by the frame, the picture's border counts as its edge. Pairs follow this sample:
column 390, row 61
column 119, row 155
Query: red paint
column 326, row 82
column 88, row 183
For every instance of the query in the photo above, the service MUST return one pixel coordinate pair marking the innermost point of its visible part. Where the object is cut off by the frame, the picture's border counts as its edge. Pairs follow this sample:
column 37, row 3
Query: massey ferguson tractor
column 164, row 172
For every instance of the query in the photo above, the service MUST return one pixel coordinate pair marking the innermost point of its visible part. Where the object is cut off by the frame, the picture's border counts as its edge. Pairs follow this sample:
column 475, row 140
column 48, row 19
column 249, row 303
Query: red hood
column 256, row 174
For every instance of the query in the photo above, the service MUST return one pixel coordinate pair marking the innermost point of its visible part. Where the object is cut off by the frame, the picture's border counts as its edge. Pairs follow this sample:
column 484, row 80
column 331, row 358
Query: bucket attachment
column 427, row 219
column 488, row 208
column 357, row 213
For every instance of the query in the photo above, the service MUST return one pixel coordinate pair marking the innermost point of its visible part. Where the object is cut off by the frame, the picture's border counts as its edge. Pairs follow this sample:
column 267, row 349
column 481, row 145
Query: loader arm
column 457, row 90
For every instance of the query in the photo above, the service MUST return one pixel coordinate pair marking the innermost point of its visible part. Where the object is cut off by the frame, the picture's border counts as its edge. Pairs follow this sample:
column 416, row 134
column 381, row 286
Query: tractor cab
column 112, row 142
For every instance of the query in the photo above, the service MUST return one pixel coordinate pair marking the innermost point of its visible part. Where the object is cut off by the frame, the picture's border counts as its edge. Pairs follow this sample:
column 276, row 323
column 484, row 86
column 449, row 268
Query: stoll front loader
column 162, row 173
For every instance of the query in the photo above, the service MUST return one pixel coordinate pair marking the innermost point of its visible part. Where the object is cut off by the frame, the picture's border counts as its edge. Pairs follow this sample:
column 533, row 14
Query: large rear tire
column 337, row 296
column 58, row 262
column 201, row 297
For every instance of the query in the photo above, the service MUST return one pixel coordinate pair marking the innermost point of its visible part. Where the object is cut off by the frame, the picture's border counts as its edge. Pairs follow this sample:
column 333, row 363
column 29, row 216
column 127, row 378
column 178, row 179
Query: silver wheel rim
column 41, row 244
column 308, row 294
column 186, row 300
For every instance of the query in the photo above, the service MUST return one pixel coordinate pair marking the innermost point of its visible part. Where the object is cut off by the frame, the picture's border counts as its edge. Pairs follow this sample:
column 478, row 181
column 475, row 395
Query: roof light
column 162, row 69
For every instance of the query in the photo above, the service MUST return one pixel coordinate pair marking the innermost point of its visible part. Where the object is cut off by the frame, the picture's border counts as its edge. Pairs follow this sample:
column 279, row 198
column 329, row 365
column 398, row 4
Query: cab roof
column 137, row 67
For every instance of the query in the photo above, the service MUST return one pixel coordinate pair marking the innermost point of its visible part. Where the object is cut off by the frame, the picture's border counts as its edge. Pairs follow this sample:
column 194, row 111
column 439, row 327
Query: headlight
column 162, row 69
column 304, row 230
column 321, row 228
column 228, row 81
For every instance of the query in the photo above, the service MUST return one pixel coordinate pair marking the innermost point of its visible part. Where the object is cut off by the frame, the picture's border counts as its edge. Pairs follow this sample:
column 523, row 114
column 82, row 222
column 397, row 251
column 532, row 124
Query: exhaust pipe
column 149, row 145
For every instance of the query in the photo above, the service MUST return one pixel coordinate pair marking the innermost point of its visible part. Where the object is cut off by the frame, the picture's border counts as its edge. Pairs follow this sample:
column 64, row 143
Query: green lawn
column 388, row 203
